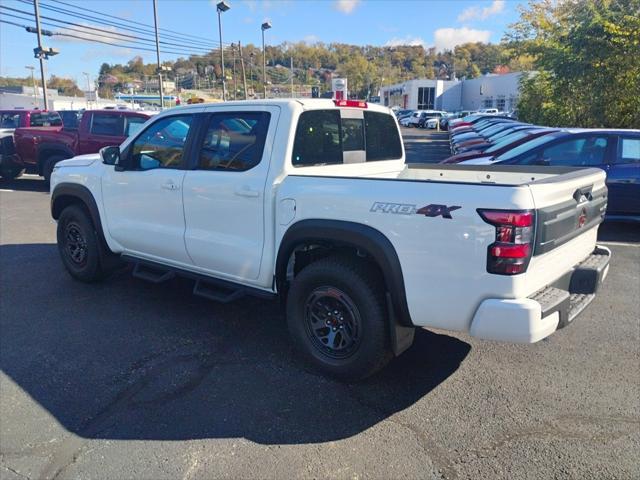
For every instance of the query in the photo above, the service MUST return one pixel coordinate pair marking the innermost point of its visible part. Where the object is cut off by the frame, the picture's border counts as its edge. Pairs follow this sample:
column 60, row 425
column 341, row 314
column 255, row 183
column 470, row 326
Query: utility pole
column 264, row 26
column 251, row 55
column 292, row 96
column 40, row 55
column 222, row 7
column 244, row 76
column 155, row 21
column 235, row 79
column 36, row 104
column 88, row 88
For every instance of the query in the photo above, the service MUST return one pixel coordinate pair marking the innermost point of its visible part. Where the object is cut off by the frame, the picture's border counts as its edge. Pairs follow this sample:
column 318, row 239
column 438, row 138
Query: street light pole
column 222, row 7
column 88, row 88
column 41, row 57
column 36, row 104
column 155, row 21
column 265, row 26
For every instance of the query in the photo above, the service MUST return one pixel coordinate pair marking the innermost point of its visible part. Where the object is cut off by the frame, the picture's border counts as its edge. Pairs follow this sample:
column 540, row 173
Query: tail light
column 511, row 252
column 350, row 103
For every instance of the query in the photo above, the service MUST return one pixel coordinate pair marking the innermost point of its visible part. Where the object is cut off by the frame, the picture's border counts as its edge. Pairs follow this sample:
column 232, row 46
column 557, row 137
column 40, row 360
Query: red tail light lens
column 350, row 103
column 511, row 252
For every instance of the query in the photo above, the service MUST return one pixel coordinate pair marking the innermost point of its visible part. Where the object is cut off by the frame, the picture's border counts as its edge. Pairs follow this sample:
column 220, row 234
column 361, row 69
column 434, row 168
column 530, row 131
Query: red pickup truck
column 38, row 149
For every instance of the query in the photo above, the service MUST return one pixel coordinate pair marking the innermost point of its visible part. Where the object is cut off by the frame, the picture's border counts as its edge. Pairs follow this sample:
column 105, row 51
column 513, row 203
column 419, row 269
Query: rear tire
column 337, row 318
column 79, row 245
column 47, row 168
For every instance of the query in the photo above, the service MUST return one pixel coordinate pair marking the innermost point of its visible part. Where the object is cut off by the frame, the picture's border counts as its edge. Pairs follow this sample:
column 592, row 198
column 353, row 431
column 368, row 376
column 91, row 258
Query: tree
column 587, row 53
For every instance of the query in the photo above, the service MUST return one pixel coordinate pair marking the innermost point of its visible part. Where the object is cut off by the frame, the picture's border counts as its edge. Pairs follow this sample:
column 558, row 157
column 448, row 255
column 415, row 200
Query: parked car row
column 499, row 140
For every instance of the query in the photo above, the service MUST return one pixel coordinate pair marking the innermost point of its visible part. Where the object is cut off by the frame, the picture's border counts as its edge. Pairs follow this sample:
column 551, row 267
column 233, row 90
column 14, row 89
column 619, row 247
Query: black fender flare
column 65, row 194
column 350, row 234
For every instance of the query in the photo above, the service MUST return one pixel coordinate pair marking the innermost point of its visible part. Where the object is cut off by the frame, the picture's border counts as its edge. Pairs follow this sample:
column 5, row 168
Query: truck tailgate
column 569, row 209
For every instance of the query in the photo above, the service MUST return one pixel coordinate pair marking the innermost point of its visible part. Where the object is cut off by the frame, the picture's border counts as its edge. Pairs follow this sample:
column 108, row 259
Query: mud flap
column 401, row 337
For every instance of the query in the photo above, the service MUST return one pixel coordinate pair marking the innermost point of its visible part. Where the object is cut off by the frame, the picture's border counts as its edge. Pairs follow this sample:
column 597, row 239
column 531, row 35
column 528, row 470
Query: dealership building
column 488, row 91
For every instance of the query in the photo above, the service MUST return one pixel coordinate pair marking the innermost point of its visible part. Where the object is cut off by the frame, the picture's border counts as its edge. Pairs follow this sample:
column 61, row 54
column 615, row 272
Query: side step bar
column 208, row 287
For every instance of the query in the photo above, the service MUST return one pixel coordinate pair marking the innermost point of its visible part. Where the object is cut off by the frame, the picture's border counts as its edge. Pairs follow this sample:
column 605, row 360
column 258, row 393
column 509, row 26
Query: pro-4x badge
column 432, row 210
column 435, row 210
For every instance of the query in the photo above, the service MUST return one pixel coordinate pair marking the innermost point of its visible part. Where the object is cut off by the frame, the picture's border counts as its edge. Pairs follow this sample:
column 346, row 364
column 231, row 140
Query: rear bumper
column 531, row 319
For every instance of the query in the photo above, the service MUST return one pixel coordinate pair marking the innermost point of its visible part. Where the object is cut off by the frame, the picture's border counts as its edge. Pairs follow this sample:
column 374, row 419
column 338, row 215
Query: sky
column 438, row 23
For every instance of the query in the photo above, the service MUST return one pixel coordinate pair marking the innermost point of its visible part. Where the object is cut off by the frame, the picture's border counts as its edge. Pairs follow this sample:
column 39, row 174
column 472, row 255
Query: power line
column 130, row 21
column 62, row 34
column 111, row 33
column 101, row 21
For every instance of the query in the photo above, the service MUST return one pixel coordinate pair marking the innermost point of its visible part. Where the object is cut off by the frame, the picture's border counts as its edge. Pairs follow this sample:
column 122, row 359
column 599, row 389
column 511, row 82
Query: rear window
column 105, row 124
column 46, row 119
column 526, row 146
column 381, row 136
column 322, row 137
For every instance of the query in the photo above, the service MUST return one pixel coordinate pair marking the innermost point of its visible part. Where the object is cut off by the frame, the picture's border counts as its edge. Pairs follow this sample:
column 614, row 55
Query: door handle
column 170, row 185
column 246, row 191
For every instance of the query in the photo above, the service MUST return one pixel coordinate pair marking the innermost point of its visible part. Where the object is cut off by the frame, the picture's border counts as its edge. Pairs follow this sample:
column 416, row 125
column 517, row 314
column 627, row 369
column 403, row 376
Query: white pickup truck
column 311, row 200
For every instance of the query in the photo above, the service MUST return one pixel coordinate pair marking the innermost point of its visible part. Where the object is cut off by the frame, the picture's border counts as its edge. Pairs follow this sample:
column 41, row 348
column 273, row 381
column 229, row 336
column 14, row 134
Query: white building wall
column 56, row 102
column 488, row 92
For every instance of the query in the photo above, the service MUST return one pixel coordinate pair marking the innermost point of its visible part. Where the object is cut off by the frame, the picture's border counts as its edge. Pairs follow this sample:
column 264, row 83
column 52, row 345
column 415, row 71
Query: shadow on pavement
column 28, row 184
column 611, row 231
column 125, row 359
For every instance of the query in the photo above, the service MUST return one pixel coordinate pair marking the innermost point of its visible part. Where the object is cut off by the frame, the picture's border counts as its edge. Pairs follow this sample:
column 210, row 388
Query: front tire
column 47, row 168
column 79, row 245
column 337, row 318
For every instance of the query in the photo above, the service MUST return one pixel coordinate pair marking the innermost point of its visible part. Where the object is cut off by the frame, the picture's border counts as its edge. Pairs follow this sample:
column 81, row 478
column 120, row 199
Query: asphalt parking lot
column 126, row 379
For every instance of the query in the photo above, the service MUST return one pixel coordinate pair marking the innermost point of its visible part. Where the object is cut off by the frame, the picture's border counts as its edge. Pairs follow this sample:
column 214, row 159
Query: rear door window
column 108, row 125
column 318, row 140
column 9, row 120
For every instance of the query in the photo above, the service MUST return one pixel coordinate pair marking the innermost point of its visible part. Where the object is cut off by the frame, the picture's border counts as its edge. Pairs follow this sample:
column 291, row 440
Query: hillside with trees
column 366, row 67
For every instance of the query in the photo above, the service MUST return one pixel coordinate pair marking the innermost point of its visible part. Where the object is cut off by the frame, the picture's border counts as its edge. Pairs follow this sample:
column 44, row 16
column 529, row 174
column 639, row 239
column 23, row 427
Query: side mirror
column 110, row 155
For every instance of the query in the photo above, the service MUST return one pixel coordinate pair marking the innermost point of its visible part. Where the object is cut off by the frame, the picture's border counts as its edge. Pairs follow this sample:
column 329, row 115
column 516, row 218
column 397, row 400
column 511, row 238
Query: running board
column 151, row 273
column 217, row 292
column 205, row 286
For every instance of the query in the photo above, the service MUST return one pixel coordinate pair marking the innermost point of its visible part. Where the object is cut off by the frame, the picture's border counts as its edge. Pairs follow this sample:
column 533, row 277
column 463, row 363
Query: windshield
column 525, row 147
column 512, row 137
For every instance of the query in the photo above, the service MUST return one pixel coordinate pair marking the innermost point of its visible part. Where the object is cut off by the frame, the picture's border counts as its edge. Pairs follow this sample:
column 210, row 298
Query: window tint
column 9, row 120
column 525, row 147
column 234, row 141
column 134, row 124
column 46, row 119
column 317, row 140
column 382, row 138
column 352, row 134
column 506, row 140
column 628, row 150
column 70, row 119
column 104, row 124
column 576, row 152
column 161, row 145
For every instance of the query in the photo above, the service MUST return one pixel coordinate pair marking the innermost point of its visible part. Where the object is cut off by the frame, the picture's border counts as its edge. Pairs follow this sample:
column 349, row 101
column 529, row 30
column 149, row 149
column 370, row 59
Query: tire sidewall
column 90, row 271
column 373, row 343
column 48, row 166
